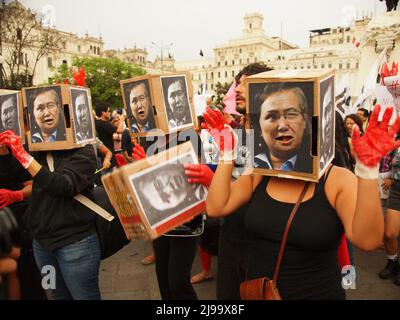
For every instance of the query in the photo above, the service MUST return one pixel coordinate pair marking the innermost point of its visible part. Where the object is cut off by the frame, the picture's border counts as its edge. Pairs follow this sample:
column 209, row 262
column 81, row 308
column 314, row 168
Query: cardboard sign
column 156, row 188
column 138, row 100
column 11, row 113
column 60, row 117
column 159, row 102
column 292, row 115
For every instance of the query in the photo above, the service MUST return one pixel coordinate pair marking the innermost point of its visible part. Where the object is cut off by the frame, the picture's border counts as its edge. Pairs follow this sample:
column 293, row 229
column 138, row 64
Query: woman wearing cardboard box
column 340, row 202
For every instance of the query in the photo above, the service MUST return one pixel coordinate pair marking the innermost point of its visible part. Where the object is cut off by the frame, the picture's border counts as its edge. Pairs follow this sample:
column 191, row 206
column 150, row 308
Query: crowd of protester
column 58, row 231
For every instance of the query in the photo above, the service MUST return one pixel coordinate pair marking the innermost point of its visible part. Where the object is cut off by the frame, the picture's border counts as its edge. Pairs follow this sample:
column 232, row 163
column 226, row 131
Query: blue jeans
column 76, row 267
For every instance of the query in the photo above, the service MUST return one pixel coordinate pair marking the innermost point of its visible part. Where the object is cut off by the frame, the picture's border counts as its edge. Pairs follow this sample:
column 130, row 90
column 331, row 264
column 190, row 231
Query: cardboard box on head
column 60, row 117
column 11, row 112
column 159, row 102
column 157, row 193
column 293, row 117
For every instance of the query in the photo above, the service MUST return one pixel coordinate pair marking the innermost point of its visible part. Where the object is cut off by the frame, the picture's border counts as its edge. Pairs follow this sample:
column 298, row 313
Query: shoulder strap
column 285, row 234
column 80, row 197
column 326, row 175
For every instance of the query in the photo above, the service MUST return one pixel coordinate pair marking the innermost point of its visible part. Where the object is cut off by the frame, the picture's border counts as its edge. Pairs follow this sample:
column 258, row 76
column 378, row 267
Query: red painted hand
column 199, row 173
column 385, row 72
column 11, row 140
column 222, row 133
column 8, row 197
column 377, row 140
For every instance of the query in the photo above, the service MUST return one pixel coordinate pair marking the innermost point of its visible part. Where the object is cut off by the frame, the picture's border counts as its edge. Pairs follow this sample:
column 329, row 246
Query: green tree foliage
column 102, row 77
column 221, row 90
column 24, row 40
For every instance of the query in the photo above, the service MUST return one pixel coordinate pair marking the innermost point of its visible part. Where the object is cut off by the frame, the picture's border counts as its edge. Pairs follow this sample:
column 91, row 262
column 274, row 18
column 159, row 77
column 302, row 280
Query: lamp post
column 162, row 48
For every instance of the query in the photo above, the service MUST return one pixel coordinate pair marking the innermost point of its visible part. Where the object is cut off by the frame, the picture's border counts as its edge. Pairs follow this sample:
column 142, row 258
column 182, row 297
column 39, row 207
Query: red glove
column 138, row 153
column 8, row 197
column 199, row 173
column 11, row 140
column 343, row 253
column 377, row 140
column 222, row 133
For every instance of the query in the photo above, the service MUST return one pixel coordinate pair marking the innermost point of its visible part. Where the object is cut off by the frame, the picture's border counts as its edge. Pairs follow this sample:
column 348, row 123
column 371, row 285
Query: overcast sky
column 191, row 25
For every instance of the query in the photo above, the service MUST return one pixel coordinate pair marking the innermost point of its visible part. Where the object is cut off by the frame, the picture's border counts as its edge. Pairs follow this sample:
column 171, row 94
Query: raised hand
column 385, row 72
column 222, row 134
column 377, row 140
column 11, row 140
column 199, row 173
column 138, row 152
column 8, row 197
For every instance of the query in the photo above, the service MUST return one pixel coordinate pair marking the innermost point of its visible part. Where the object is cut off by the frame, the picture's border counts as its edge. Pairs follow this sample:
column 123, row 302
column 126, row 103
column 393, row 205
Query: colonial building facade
column 68, row 45
column 329, row 48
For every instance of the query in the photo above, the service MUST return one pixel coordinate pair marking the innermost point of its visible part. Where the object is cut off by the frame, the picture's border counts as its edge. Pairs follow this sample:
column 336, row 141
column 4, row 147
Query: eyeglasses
column 289, row 116
column 140, row 98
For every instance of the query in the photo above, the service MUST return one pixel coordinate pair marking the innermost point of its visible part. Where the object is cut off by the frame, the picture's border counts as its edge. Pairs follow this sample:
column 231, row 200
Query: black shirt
column 126, row 142
column 105, row 131
column 309, row 268
column 12, row 174
column 54, row 218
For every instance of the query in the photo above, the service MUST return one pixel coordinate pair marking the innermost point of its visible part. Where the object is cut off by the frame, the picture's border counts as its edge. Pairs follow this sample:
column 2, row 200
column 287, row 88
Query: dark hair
column 166, row 83
column 100, row 108
column 127, row 91
column 342, row 147
column 8, row 97
column 38, row 91
column 364, row 111
column 357, row 120
column 135, row 84
column 252, row 69
column 304, row 158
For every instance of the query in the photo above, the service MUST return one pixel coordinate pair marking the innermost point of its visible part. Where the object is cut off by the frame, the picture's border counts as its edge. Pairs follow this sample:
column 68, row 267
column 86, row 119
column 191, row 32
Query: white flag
column 370, row 84
column 342, row 96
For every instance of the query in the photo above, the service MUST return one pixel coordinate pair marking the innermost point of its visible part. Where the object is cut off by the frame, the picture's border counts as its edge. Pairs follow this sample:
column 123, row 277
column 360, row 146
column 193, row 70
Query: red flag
column 356, row 42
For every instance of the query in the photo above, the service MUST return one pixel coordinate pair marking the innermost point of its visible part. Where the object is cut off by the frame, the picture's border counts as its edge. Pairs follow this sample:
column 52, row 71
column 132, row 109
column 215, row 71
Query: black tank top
column 309, row 268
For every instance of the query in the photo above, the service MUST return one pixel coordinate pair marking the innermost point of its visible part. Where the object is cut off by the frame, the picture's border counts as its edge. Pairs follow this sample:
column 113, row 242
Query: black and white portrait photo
column 280, row 116
column 46, row 114
column 163, row 190
column 176, row 101
column 139, row 106
column 9, row 113
column 83, row 116
column 327, row 122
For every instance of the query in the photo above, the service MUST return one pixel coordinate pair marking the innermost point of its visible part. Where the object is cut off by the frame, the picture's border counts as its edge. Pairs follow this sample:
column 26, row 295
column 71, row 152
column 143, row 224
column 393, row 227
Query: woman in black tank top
column 311, row 250
column 340, row 203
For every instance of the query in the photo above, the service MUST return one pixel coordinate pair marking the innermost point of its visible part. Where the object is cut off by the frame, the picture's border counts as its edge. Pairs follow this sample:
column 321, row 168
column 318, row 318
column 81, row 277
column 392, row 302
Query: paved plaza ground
column 123, row 277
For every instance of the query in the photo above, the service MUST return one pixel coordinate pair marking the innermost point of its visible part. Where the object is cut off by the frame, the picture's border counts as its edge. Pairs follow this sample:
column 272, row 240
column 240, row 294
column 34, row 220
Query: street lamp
column 162, row 48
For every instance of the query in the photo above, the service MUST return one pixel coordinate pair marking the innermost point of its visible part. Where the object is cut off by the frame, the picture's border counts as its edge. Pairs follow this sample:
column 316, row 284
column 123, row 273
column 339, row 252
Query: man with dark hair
column 178, row 108
column 249, row 70
column 9, row 114
column 48, row 116
column 327, row 145
column 141, row 107
column 83, row 125
column 105, row 129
